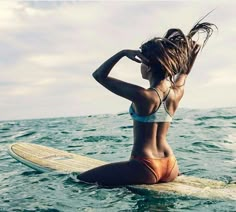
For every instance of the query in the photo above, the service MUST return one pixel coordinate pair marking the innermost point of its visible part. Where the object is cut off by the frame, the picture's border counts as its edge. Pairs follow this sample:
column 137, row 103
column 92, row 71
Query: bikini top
column 160, row 115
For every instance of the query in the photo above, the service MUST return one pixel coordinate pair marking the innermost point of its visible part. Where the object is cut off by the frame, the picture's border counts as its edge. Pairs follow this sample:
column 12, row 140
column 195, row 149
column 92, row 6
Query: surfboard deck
column 46, row 159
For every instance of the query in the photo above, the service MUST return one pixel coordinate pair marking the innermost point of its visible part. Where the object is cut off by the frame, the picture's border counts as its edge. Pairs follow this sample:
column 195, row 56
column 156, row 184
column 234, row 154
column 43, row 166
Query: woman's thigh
column 122, row 173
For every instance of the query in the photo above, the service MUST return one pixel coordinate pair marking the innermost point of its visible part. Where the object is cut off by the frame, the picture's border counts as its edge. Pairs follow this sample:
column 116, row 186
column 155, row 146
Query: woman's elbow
column 97, row 76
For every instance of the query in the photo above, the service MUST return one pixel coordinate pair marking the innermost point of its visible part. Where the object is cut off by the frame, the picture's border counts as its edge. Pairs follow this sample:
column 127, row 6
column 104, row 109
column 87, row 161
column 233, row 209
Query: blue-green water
column 204, row 142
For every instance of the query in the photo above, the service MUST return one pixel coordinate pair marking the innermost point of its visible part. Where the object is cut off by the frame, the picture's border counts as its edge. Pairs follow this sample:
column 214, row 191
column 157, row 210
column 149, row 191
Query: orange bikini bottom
column 164, row 169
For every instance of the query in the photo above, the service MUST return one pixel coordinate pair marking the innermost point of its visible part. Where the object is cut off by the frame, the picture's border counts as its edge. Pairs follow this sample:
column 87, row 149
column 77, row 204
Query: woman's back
column 152, row 121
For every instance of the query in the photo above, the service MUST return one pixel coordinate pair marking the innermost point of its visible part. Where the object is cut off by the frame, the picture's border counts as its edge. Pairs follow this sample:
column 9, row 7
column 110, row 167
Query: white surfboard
column 46, row 159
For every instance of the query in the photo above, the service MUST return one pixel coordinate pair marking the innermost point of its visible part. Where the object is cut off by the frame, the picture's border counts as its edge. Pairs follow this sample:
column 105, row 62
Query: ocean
column 204, row 142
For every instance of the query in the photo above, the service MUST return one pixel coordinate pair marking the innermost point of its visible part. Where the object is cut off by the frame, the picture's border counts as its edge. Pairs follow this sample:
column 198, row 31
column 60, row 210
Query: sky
column 49, row 50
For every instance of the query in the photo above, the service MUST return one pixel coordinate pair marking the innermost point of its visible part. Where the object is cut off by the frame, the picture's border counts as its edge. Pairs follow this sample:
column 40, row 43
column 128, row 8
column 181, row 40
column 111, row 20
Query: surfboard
column 47, row 159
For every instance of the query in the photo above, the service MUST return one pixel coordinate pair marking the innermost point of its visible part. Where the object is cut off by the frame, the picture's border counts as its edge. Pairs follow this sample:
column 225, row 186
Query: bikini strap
column 157, row 93
column 160, row 95
column 166, row 95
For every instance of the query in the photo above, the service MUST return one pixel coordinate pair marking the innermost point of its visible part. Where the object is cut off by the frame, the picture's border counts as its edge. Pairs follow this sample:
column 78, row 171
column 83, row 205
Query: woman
column 165, row 63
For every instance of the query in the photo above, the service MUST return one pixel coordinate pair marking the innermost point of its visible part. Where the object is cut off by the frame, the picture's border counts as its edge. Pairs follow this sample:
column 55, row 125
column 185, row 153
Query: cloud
column 221, row 78
column 60, row 59
column 50, row 48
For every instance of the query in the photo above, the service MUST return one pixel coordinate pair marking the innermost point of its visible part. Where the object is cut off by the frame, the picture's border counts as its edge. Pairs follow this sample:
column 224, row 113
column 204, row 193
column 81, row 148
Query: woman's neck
column 156, row 82
column 162, row 85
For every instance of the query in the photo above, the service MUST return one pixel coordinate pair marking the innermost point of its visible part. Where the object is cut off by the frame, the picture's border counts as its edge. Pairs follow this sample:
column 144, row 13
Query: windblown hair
column 171, row 54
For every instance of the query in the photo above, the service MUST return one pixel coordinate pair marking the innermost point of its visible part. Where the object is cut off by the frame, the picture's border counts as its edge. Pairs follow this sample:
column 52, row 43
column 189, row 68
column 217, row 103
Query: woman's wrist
column 122, row 53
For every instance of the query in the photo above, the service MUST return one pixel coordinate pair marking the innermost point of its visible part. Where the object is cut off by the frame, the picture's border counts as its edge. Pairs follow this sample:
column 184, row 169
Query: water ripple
column 215, row 117
column 127, row 127
column 203, row 141
column 25, row 134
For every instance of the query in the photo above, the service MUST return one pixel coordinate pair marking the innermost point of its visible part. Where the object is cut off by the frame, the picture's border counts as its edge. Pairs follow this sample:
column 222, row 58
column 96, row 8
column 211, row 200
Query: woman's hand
column 135, row 55
column 195, row 51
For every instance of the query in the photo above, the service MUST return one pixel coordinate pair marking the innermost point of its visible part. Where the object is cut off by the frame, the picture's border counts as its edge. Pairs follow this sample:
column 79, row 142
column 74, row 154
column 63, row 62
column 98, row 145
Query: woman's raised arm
column 127, row 90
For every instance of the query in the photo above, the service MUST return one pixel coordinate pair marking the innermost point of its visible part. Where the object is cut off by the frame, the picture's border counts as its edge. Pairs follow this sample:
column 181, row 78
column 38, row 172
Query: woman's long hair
column 171, row 54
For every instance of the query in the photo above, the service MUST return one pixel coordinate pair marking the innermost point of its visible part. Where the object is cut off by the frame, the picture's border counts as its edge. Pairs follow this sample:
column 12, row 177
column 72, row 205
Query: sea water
column 204, row 142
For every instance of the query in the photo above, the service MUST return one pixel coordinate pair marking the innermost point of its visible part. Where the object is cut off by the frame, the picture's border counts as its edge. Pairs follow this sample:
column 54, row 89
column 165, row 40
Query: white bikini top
column 160, row 115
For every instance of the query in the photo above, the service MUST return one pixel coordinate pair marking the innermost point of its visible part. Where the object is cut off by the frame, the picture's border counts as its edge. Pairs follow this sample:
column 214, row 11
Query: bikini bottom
column 164, row 169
